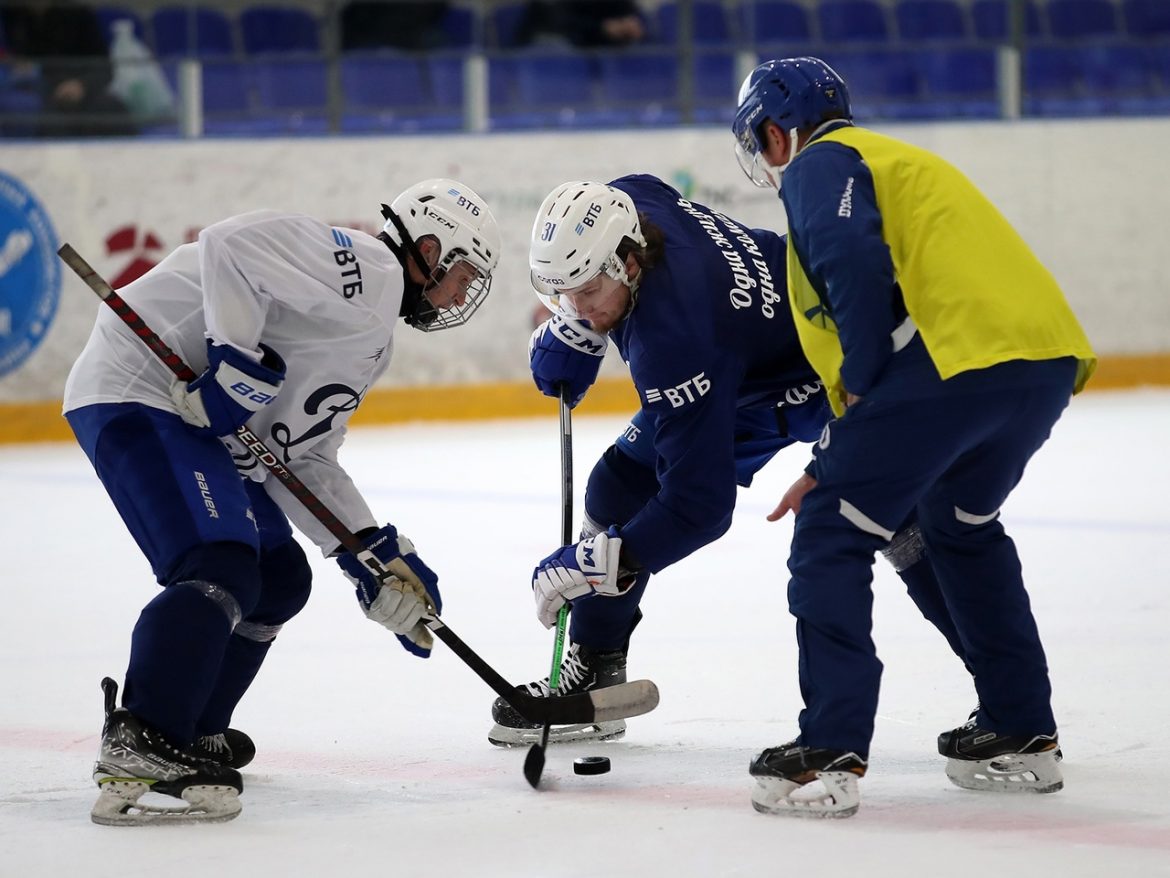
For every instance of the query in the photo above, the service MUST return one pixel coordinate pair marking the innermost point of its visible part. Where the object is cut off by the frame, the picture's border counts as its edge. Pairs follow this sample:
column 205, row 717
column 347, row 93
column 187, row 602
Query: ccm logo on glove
column 563, row 351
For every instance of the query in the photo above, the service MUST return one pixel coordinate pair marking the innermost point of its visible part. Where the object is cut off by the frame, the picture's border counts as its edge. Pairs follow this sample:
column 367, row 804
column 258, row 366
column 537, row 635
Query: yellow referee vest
column 974, row 289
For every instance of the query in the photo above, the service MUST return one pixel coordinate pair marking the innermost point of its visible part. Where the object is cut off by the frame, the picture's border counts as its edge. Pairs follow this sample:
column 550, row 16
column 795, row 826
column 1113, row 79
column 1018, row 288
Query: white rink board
column 1075, row 190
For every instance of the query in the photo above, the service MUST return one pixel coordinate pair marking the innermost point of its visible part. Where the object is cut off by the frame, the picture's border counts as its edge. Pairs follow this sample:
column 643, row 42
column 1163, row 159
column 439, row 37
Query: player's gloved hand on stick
column 563, row 351
column 588, row 567
column 235, row 385
column 399, row 601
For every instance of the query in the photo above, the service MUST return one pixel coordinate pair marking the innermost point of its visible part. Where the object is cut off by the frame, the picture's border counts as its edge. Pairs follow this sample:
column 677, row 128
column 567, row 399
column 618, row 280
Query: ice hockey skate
column 135, row 759
column 806, row 781
column 1058, row 755
column 230, row 747
column 978, row 759
column 581, row 671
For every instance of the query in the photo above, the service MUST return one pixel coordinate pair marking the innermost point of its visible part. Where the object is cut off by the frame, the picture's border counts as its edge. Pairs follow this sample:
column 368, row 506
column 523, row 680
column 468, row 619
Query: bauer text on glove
column 589, row 567
column 565, row 352
column 401, row 593
column 235, row 385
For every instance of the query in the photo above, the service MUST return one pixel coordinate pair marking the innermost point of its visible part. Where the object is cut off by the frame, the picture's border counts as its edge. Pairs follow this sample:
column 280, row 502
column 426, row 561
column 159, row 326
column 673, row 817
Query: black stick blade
column 534, row 765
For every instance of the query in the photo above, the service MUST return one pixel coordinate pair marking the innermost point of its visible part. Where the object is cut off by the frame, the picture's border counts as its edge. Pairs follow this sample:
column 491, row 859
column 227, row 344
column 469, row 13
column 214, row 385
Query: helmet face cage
column 576, row 236
column 465, row 231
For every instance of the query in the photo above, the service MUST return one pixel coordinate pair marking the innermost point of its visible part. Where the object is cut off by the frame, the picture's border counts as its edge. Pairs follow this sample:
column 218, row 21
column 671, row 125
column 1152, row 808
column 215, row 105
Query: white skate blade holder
column 118, row 805
column 505, row 736
column 1010, row 773
column 831, row 794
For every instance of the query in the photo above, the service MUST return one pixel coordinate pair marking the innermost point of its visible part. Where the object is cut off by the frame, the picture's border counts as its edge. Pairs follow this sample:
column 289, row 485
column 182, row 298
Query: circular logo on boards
column 30, row 276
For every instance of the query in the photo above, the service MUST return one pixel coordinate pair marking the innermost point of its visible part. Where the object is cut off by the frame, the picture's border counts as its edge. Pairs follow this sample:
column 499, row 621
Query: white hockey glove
column 397, row 602
column 589, row 567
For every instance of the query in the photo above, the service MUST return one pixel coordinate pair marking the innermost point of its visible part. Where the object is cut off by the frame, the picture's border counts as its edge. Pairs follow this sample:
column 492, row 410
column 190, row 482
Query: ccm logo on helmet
column 439, row 218
column 681, row 394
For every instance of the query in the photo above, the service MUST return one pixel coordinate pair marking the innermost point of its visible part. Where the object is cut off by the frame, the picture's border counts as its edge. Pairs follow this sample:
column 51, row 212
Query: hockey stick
column 534, row 761
column 639, row 697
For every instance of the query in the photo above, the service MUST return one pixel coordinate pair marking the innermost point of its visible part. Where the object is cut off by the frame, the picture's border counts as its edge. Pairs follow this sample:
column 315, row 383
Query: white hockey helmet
column 576, row 236
column 466, row 231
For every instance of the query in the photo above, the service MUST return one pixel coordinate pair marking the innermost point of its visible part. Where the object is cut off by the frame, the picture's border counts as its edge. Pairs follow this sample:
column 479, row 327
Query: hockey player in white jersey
column 289, row 321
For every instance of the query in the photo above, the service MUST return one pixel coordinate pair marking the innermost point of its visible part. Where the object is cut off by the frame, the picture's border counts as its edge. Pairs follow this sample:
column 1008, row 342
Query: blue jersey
column 710, row 336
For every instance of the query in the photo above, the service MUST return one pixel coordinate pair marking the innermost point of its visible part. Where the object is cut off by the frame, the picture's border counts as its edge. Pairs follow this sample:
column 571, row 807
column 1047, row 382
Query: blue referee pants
column 951, row 458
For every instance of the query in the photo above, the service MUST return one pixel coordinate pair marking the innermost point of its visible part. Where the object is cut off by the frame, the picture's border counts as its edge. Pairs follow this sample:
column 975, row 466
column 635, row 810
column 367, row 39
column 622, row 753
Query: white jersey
column 326, row 299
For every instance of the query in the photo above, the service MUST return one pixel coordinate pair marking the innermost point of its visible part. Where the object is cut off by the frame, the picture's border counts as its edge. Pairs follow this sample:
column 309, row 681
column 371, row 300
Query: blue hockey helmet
column 795, row 93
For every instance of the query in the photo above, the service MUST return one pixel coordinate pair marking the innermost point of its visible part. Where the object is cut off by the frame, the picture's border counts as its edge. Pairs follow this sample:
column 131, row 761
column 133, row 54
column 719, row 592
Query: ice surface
column 371, row 762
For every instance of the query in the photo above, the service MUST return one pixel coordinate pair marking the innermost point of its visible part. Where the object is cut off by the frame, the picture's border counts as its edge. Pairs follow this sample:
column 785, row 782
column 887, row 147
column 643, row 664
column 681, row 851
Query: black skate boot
column 981, row 760
column 135, row 759
column 1058, row 755
column 230, row 747
column 781, row 771
column 582, row 670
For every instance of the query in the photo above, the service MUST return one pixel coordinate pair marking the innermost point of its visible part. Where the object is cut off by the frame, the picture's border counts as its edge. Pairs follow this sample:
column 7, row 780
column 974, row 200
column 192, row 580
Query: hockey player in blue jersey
column 948, row 353
column 695, row 303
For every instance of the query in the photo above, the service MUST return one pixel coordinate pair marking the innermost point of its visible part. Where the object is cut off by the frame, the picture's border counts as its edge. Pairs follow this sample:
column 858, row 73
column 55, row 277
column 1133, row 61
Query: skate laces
column 214, row 743
column 574, row 670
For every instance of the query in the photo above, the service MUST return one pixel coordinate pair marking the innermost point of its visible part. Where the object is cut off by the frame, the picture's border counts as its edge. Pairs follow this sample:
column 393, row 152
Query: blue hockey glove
column 589, row 567
column 566, row 352
column 406, row 591
column 232, row 388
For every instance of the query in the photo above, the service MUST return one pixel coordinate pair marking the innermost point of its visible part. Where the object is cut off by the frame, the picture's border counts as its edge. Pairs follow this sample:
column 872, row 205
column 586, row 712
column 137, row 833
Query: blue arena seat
column 715, row 86
column 882, row 82
column 1146, row 18
column 991, row 19
column 708, row 22
column 639, row 77
column 382, row 80
column 174, row 34
column 930, row 20
column 1119, row 72
column 300, row 85
column 852, row 21
column 1077, row 19
column 554, row 80
column 227, row 87
column 1053, row 82
column 390, row 92
column 268, row 29
column 774, row 21
column 960, row 81
column 640, row 88
column 446, row 80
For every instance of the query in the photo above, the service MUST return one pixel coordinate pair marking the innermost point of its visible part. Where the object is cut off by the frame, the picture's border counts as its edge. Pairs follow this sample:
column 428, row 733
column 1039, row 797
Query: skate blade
column 506, row 736
column 118, row 805
column 839, row 796
column 1011, row 773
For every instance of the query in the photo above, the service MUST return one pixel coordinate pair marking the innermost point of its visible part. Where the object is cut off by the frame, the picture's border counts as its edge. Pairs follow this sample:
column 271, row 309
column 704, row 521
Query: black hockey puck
column 591, row 765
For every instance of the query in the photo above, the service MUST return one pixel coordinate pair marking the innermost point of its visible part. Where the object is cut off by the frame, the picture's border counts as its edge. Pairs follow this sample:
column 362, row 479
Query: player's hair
column 655, row 249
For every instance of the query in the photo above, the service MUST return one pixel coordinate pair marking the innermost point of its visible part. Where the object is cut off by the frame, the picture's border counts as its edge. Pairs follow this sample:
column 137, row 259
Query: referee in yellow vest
column 949, row 353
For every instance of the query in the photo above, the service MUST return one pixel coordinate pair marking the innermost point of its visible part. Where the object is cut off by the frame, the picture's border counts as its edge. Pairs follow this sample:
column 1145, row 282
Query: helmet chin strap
column 416, row 309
